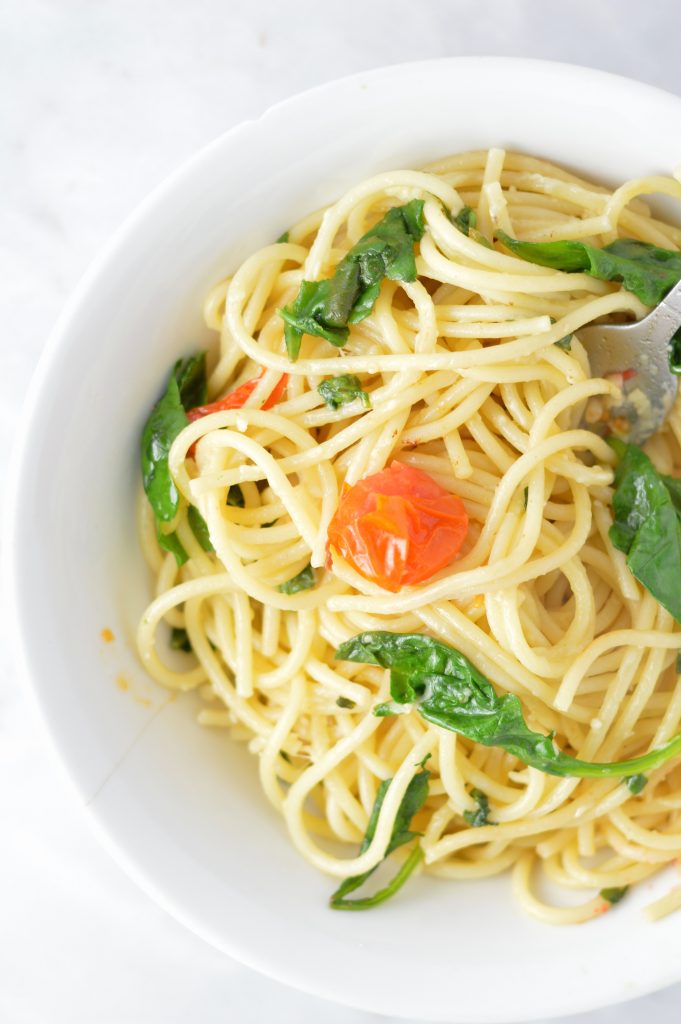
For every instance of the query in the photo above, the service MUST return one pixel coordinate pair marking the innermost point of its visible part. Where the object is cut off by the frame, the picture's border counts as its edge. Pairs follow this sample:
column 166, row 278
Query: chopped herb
column 283, row 237
column 565, row 343
column 235, row 497
column 326, row 308
column 338, row 391
column 303, row 581
column 636, row 783
column 480, row 816
column 614, row 895
column 412, row 802
column 424, row 760
column 179, row 640
column 647, row 526
column 645, row 270
column 526, row 494
column 448, row 691
column 286, row 757
column 345, row 702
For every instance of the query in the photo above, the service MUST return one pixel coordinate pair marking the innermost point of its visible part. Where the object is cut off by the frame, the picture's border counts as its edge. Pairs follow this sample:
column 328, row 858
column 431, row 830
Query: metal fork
column 636, row 357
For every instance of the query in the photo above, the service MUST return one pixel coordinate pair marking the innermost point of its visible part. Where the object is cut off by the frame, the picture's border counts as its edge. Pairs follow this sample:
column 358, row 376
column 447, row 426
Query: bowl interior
column 180, row 805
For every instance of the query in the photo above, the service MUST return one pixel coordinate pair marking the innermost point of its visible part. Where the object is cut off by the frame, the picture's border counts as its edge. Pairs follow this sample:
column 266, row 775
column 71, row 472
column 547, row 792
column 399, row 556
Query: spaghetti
column 473, row 375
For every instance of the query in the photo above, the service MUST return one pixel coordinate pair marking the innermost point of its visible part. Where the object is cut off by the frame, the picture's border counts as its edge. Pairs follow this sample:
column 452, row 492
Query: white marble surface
column 98, row 102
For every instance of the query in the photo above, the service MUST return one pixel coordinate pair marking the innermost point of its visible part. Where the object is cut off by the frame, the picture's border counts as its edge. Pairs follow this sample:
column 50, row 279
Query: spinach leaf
column 646, row 270
column 647, row 524
column 325, row 308
column 235, row 497
column 305, row 580
column 190, row 375
column 466, row 219
column 614, row 895
column 480, row 817
column 186, row 388
column 675, row 352
column 564, row 343
column 179, row 640
column 337, row 391
column 412, row 802
column 449, row 691
column 171, row 542
column 200, row 528
column 636, row 783
column 345, row 702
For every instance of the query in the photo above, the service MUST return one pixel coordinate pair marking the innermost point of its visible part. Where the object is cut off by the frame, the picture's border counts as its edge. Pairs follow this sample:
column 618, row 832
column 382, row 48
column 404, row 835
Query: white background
column 98, row 102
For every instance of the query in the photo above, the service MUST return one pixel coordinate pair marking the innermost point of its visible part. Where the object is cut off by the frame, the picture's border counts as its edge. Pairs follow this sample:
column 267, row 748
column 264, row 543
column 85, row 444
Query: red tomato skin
column 398, row 527
column 235, row 399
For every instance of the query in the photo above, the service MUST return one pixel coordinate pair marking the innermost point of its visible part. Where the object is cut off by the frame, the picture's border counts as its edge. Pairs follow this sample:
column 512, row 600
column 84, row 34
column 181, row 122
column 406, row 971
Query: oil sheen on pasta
column 463, row 373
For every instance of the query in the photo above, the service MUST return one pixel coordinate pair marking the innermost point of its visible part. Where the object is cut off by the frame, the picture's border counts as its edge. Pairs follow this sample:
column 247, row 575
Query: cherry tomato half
column 235, row 399
column 398, row 527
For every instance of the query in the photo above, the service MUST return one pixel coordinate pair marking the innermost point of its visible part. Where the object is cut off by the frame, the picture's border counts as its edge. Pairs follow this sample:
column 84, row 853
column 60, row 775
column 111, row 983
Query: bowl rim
column 29, row 421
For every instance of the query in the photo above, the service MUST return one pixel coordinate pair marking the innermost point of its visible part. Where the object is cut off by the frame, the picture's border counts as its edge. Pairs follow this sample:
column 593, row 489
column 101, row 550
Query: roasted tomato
column 235, row 399
column 398, row 527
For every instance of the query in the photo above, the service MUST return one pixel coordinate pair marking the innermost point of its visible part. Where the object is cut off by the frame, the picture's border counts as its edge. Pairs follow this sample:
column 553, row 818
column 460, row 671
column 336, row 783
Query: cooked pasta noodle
column 467, row 384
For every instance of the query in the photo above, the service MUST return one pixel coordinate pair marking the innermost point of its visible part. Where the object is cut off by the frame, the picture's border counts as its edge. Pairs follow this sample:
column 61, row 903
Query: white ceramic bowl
column 180, row 807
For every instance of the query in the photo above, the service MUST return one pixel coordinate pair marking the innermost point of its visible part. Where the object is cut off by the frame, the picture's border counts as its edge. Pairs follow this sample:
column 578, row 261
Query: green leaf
column 614, row 895
column 186, row 388
column 200, row 528
column 526, row 494
column 338, row 902
column 283, row 237
column 647, row 525
column 450, row 692
column 166, row 421
column 235, row 497
column 303, row 581
column 179, row 640
column 171, row 542
column 645, row 270
column 565, row 343
column 338, row 391
column 286, row 757
column 678, row 664
column 412, row 802
column 190, row 375
column 636, row 783
column 325, row 308
column 466, row 219
column 345, row 702
column 479, row 817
